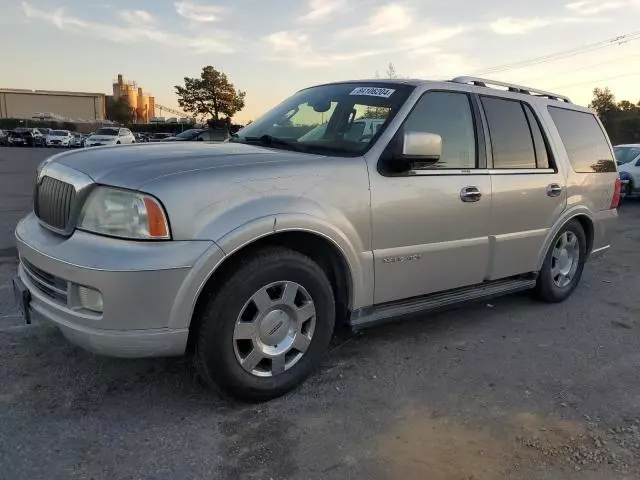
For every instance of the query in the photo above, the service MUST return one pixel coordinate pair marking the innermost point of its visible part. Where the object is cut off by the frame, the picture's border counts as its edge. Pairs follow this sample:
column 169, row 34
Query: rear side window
column 510, row 134
column 584, row 141
column 542, row 152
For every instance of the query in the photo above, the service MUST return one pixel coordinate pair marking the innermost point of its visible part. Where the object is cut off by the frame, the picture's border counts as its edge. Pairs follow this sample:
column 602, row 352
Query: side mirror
column 421, row 148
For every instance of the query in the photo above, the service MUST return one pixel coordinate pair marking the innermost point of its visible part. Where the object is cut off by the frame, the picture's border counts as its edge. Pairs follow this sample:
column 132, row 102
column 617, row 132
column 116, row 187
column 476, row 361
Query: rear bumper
column 604, row 224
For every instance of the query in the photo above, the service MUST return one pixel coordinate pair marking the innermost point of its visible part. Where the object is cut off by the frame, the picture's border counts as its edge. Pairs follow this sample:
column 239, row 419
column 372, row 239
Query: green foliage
column 620, row 119
column 211, row 95
column 120, row 111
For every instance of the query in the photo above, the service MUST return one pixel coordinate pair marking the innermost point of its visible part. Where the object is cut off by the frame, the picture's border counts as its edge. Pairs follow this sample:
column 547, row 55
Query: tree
column 391, row 71
column 627, row 106
column 120, row 111
column 603, row 102
column 381, row 112
column 211, row 95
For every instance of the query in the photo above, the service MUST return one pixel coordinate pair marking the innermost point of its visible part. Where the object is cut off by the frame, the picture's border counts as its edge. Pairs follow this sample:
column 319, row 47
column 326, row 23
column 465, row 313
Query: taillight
column 615, row 201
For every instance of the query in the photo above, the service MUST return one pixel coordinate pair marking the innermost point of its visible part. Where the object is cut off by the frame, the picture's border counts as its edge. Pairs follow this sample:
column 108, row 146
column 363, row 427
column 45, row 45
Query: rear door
column 528, row 190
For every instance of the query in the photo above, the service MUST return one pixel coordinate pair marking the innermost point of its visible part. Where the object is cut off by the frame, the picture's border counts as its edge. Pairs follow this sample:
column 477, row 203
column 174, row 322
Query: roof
column 50, row 92
column 471, row 81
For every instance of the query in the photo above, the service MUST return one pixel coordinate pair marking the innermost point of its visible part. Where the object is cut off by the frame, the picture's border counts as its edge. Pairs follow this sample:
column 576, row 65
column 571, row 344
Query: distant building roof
column 50, row 92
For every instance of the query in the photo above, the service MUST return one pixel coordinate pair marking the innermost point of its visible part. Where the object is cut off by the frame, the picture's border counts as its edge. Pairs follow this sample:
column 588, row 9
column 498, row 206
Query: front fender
column 359, row 262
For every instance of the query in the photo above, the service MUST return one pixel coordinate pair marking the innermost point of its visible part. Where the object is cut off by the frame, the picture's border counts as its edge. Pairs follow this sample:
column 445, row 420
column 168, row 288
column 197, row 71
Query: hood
column 131, row 166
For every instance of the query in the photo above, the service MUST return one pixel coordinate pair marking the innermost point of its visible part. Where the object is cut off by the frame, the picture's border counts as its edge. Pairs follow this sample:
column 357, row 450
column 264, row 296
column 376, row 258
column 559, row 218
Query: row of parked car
column 46, row 137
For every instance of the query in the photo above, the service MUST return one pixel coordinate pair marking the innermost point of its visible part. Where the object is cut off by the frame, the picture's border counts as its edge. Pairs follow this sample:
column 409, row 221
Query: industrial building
column 73, row 106
column 82, row 107
column 141, row 104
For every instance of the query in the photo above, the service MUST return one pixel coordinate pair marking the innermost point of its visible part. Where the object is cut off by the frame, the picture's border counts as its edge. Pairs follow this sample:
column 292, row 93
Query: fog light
column 90, row 299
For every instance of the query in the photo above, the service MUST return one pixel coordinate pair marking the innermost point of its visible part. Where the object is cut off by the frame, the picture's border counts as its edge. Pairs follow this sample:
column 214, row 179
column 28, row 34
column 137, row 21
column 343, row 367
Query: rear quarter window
column 584, row 140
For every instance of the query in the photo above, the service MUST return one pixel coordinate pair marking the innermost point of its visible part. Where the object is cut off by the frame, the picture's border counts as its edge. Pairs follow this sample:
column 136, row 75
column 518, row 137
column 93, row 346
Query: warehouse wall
column 16, row 104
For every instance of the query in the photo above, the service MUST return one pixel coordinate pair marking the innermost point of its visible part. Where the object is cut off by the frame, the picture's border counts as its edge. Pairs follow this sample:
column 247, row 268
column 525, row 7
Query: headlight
column 123, row 213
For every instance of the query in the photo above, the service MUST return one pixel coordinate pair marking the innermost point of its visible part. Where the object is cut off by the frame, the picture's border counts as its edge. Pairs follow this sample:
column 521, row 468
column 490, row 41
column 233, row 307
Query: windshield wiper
column 270, row 141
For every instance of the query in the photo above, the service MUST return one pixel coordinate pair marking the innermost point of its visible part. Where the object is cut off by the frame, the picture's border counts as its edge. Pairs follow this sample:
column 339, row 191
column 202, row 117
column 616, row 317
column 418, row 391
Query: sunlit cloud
column 199, row 12
column 129, row 33
column 591, row 7
column 319, row 10
column 520, row 26
column 386, row 19
column 137, row 16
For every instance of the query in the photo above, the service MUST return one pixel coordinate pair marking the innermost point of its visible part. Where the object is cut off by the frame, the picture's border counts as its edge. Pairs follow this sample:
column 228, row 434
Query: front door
column 431, row 226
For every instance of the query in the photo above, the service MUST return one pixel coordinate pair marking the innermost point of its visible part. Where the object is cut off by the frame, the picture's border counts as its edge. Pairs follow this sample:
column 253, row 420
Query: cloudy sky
column 270, row 48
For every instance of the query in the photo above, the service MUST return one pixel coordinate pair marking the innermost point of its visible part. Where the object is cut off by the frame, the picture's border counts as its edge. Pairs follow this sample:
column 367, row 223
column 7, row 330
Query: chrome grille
column 50, row 285
column 54, row 201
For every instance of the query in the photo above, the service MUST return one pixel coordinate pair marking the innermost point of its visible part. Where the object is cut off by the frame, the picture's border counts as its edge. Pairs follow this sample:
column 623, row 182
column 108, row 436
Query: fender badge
column 407, row 258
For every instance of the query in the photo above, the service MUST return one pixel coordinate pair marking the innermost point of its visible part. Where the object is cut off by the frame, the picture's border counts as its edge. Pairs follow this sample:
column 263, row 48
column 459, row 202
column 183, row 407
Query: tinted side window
column 542, row 153
column 584, row 141
column 511, row 140
column 447, row 114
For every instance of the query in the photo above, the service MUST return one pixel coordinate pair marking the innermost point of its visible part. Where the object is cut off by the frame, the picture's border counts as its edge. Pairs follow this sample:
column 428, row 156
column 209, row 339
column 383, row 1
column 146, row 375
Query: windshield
column 339, row 119
column 626, row 154
column 58, row 133
column 189, row 133
column 111, row 132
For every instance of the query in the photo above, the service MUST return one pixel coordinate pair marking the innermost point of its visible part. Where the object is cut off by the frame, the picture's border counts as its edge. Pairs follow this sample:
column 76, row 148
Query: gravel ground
column 508, row 390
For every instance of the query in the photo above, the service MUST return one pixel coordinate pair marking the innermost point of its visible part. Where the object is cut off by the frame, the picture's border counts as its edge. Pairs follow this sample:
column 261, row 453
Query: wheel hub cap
column 565, row 259
column 274, row 329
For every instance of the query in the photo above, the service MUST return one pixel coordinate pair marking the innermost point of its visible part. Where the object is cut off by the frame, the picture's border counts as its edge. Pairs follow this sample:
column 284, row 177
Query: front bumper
column 139, row 281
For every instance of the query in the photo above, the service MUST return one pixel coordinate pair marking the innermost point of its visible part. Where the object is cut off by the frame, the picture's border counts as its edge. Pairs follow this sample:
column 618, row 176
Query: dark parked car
column 27, row 137
column 158, row 137
column 4, row 135
column 199, row 134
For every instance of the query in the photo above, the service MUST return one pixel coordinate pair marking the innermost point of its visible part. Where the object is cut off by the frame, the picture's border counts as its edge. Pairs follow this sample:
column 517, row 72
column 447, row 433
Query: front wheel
column 267, row 327
column 562, row 268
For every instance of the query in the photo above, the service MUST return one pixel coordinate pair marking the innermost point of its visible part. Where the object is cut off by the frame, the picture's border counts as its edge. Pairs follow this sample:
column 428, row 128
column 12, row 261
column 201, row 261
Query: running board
column 378, row 314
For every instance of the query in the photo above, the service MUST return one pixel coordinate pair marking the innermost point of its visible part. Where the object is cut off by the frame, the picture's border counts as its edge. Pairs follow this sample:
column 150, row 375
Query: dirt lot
column 513, row 389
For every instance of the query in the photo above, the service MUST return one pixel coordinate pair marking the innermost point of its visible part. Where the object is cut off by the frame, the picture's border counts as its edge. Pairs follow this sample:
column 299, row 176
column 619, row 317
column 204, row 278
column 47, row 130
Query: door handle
column 470, row 194
column 554, row 190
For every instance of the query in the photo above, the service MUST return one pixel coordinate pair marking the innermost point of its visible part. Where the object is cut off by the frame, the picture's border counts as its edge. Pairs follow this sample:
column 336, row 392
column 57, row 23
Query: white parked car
column 628, row 160
column 111, row 136
column 59, row 138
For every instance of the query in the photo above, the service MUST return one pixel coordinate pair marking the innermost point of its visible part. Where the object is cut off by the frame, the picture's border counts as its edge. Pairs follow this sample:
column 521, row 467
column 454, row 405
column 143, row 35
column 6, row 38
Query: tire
column 557, row 280
column 117, row 143
column 219, row 352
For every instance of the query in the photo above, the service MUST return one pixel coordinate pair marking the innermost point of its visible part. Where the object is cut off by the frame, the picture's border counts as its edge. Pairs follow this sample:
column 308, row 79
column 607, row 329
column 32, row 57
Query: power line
column 632, row 74
column 628, row 37
column 587, row 67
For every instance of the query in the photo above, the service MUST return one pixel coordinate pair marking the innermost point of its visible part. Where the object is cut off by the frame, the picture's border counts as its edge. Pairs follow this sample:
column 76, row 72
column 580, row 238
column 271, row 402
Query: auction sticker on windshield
column 373, row 92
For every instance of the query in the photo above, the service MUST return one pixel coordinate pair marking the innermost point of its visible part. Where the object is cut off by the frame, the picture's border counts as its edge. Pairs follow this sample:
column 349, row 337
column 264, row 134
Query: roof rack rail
column 512, row 87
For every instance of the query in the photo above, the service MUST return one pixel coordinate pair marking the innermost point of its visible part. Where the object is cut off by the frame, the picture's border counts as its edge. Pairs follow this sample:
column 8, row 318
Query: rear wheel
column 267, row 327
column 562, row 268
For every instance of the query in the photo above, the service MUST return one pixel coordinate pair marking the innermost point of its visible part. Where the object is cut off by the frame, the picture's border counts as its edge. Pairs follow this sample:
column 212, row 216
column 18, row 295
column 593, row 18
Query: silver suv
column 412, row 196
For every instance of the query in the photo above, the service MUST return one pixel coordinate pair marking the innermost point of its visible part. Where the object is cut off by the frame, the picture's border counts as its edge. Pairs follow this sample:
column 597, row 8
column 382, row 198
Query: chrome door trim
column 442, row 172
column 521, row 171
